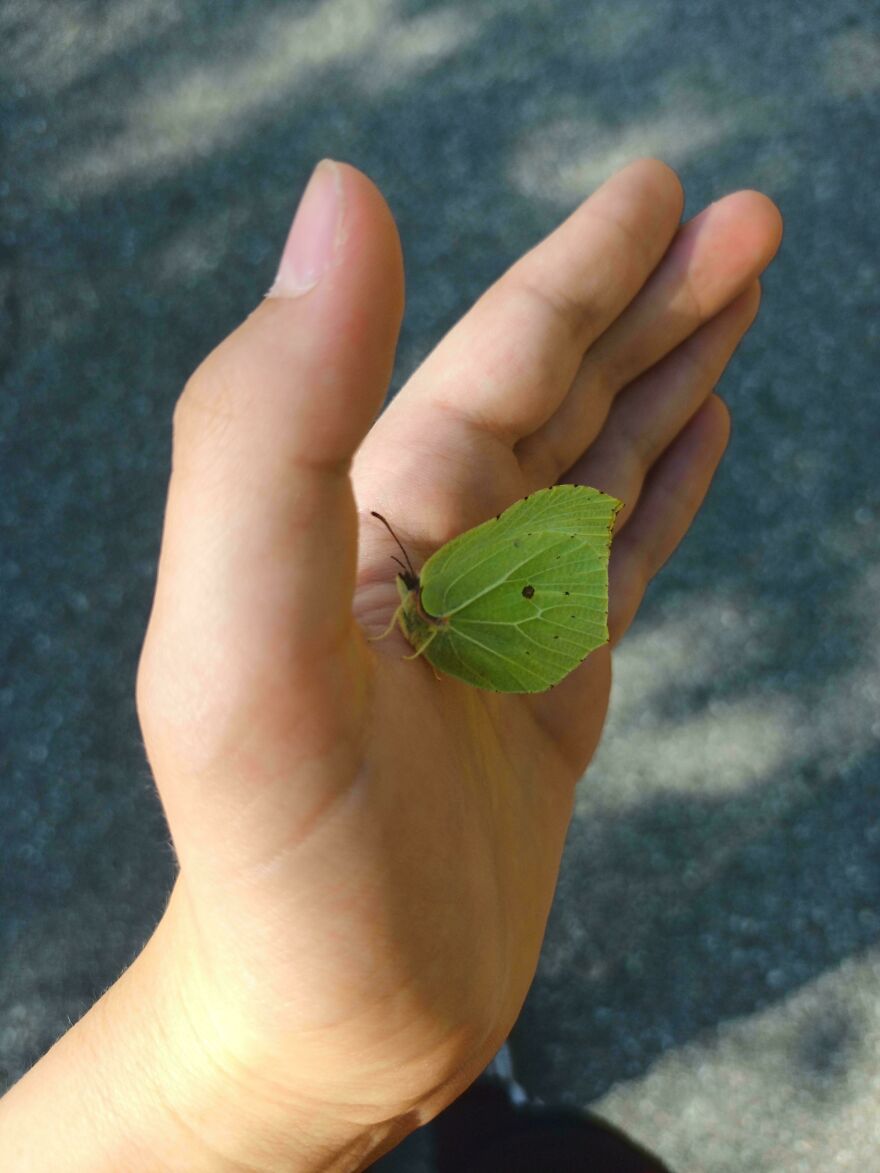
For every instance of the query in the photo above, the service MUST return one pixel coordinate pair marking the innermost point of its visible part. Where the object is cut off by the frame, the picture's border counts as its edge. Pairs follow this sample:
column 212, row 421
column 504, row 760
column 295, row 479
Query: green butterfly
column 516, row 603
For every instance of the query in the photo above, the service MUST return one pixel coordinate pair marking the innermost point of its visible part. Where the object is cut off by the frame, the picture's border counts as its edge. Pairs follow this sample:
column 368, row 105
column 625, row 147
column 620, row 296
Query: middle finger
column 647, row 417
column 714, row 257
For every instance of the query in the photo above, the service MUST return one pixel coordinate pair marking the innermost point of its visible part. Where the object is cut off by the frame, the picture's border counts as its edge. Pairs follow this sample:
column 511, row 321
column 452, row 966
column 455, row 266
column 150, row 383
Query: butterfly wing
column 525, row 595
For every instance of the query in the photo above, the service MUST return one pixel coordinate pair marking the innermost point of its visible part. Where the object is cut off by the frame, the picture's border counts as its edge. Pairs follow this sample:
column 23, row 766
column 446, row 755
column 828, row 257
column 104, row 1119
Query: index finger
column 509, row 363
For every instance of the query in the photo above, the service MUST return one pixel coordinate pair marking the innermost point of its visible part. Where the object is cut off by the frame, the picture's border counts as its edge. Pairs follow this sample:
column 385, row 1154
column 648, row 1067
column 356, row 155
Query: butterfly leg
column 394, row 618
column 419, row 650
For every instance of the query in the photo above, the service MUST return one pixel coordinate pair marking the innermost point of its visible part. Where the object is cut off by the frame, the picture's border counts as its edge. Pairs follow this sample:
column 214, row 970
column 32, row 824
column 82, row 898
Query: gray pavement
column 711, row 974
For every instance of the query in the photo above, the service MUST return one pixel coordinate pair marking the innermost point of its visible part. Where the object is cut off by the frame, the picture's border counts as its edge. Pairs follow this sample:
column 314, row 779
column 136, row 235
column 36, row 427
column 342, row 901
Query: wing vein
column 508, row 574
column 493, row 652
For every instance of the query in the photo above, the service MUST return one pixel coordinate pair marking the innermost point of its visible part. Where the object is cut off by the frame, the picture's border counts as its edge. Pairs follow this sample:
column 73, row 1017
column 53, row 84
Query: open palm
column 368, row 853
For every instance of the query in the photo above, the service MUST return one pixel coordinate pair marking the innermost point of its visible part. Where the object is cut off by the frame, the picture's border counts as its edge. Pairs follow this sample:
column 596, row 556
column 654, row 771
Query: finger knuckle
column 205, row 411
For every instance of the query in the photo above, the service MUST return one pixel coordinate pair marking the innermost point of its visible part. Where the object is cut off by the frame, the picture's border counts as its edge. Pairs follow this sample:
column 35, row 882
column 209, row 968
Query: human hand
column 368, row 854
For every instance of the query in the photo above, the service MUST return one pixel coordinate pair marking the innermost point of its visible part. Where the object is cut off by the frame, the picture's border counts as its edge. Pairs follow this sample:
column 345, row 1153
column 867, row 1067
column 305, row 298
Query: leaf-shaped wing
column 525, row 595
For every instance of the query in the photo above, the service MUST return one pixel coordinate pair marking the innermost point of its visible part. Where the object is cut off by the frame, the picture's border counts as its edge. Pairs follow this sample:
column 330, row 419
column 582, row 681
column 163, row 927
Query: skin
column 368, row 854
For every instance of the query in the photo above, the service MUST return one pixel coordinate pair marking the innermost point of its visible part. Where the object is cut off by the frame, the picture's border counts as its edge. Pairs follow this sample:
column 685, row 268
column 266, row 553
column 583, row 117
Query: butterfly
column 514, row 604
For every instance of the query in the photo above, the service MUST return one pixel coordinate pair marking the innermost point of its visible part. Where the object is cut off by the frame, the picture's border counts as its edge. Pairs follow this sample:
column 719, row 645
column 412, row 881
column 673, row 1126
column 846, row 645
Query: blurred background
column 711, row 974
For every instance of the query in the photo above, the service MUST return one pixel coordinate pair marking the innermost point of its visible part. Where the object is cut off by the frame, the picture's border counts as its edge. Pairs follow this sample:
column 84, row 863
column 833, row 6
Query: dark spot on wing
column 528, row 591
column 567, row 592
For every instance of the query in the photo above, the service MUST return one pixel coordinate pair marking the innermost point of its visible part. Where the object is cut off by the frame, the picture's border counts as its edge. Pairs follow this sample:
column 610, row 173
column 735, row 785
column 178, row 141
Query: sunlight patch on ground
column 612, row 30
column 724, row 749
column 211, row 105
column 670, row 732
column 852, row 65
column 193, row 253
column 60, row 47
column 565, row 160
column 808, row 1061
column 658, row 740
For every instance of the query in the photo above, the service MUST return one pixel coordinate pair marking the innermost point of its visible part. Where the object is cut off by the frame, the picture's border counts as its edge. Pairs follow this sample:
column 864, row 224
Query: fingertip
column 662, row 178
column 744, row 308
column 668, row 181
column 761, row 222
column 371, row 231
column 775, row 224
column 715, row 420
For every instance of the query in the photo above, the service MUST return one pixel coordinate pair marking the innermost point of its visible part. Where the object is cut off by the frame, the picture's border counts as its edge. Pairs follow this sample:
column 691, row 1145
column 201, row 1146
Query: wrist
column 209, row 1076
column 219, row 1108
column 149, row 1079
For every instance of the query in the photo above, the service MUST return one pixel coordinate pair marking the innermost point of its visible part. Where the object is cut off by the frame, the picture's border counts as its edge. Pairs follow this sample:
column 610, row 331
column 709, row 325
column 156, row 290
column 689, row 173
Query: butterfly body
column 516, row 603
column 417, row 625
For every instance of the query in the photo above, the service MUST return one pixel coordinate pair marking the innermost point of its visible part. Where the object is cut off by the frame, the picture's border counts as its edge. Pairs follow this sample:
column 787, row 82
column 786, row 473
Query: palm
column 478, row 794
column 374, row 909
column 488, row 476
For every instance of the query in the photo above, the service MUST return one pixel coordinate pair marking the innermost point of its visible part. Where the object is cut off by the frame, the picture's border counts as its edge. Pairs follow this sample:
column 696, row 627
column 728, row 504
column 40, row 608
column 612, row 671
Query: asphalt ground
column 710, row 979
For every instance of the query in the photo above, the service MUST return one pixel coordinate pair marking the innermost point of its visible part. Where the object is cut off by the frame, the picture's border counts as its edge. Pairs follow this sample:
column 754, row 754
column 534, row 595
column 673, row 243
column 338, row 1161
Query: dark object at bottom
column 482, row 1132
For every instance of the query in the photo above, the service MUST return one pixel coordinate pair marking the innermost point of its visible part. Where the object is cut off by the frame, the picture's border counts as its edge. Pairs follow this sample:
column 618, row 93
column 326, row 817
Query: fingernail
column 314, row 234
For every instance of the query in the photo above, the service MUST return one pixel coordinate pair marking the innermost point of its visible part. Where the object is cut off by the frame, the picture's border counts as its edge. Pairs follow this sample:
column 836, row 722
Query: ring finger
column 714, row 257
column 646, row 418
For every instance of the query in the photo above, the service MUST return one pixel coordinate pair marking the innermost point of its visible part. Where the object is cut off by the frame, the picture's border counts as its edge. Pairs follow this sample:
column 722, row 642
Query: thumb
column 257, row 568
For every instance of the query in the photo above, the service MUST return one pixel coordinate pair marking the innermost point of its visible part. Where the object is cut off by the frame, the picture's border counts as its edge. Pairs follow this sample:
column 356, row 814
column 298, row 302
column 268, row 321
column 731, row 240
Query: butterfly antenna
column 399, row 542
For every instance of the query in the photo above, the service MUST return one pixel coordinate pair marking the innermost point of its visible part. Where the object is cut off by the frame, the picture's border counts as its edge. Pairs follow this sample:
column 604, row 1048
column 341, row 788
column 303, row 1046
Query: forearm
column 140, row 1083
column 95, row 1101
